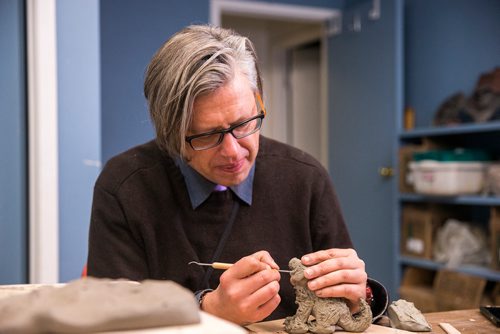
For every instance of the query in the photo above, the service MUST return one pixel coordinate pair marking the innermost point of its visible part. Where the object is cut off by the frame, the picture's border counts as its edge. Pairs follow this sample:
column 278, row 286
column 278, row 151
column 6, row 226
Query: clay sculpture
column 327, row 312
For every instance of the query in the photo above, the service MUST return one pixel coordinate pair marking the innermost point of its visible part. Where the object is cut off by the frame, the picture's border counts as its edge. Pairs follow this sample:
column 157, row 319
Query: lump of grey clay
column 96, row 305
column 404, row 315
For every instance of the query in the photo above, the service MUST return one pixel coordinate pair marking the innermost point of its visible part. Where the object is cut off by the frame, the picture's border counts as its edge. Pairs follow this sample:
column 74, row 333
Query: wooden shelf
column 487, row 273
column 474, row 128
column 459, row 200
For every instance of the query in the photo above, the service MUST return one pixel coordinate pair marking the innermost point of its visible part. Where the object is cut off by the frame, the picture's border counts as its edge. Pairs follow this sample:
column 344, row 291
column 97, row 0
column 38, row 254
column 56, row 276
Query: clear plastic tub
column 447, row 178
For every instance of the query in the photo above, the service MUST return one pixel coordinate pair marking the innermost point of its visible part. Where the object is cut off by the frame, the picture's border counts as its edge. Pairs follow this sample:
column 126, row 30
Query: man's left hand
column 337, row 273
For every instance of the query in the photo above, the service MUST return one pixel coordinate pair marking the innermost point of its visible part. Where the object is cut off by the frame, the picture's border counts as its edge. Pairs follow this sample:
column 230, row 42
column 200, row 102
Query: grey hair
column 195, row 61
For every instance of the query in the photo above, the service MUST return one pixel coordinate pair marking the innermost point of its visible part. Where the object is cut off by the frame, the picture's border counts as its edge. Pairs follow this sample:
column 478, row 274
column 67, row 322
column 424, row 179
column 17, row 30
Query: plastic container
column 455, row 155
column 447, row 178
column 449, row 172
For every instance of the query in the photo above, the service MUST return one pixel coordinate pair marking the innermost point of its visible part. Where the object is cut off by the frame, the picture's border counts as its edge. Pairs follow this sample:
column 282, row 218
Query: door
column 13, row 194
column 291, row 59
column 365, row 95
column 304, row 118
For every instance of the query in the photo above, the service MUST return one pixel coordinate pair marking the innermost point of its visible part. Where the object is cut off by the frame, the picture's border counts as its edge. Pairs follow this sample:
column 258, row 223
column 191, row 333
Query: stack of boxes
column 419, row 226
column 495, row 237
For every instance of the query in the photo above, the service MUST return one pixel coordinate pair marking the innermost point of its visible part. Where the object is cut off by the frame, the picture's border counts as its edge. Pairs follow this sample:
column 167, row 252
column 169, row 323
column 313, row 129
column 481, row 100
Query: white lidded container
column 432, row 177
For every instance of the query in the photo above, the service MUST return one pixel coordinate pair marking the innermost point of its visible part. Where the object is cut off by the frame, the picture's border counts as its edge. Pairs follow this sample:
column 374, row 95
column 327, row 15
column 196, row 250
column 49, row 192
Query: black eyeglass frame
column 228, row 130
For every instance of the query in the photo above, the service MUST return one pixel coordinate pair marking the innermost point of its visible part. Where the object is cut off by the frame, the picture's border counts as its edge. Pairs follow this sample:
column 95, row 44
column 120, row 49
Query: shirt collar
column 199, row 188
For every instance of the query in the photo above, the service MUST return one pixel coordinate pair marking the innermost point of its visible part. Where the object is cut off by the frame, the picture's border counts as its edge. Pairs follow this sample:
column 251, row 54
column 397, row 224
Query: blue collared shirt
column 199, row 188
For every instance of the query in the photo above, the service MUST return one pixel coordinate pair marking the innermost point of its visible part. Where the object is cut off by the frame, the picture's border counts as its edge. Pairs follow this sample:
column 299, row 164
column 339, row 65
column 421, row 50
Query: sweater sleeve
column 329, row 229
column 115, row 250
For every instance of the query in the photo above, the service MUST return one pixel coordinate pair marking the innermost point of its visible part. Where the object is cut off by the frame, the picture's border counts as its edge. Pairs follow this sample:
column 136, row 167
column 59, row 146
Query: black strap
column 222, row 243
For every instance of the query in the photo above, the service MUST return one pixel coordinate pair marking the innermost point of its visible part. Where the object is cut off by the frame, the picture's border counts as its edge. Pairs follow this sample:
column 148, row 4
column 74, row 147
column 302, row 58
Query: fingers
column 349, row 291
column 328, row 261
column 262, row 302
column 344, row 276
column 249, row 283
column 241, row 302
column 247, row 291
column 267, row 308
column 350, row 284
column 336, row 273
column 252, row 264
column 323, row 255
column 265, row 257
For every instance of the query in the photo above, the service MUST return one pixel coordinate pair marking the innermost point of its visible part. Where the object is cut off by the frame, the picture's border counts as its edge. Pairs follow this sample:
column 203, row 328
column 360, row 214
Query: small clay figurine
column 327, row 312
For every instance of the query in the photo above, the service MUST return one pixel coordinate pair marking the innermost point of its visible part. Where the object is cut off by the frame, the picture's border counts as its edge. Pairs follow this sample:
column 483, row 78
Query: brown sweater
column 143, row 225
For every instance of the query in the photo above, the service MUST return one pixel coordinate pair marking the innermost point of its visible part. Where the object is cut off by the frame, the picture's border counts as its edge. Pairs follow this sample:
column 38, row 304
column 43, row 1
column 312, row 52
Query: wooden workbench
column 465, row 321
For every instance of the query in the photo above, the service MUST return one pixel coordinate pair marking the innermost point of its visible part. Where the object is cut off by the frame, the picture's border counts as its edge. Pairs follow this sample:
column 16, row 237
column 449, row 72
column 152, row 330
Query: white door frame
column 43, row 142
column 271, row 10
column 329, row 18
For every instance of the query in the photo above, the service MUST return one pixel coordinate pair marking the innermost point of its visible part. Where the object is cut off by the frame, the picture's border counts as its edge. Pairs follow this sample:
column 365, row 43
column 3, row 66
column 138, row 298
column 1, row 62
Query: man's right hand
column 247, row 291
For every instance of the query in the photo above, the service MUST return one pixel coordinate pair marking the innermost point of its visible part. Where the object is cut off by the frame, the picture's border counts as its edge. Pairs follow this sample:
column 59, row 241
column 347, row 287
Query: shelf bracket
column 334, row 25
column 374, row 13
column 355, row 25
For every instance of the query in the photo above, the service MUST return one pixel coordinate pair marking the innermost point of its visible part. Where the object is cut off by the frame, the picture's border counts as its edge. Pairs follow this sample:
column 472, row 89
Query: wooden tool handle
column 448, row 328
column 221, row 265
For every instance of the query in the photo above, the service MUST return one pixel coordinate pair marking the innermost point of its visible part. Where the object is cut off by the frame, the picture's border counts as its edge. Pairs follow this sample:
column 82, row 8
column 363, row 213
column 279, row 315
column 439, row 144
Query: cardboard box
column 495, row 296
column 418, row 229
column 405, row 157
column 417, row 287
column 443, row 290
column 495, row 237
column 491, row 294
column 457, row 291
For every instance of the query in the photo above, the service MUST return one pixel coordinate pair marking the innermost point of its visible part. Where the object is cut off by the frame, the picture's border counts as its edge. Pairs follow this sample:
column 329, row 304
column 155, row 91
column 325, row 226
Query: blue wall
column 79, row 127
column 131, row 31
column 449, row 43
column 13, row 170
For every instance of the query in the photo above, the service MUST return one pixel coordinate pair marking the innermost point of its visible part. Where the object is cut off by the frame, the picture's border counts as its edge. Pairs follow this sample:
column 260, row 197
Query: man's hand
column 248, row 290
column 336, row 273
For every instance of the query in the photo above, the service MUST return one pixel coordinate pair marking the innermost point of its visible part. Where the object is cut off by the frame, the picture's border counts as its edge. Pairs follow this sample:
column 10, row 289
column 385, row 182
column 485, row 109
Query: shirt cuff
column 200, row 294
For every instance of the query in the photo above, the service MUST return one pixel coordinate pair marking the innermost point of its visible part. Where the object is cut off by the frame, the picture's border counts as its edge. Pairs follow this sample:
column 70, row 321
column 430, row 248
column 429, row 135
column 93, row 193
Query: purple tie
column 220, row 188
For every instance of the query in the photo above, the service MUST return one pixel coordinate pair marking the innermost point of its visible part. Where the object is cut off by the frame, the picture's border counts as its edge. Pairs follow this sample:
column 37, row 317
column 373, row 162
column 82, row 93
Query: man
column 210, row 188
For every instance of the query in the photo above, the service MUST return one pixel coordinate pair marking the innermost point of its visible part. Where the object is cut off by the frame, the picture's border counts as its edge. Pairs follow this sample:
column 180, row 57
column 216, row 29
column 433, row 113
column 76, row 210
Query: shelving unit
column 484, row 136
column 434, row 72
column 489, row 274
column 482, row 128
column 458, row 200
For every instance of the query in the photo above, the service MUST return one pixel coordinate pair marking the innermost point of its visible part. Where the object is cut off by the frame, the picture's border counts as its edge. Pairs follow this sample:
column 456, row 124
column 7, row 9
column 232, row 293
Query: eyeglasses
column 204, row 141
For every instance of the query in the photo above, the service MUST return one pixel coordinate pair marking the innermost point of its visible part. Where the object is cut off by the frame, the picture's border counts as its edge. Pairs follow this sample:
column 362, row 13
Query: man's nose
column 229, row 146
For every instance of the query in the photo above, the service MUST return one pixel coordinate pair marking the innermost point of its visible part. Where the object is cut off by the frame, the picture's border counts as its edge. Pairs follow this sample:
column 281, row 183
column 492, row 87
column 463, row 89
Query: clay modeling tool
column 224, row 266
column 448, row 328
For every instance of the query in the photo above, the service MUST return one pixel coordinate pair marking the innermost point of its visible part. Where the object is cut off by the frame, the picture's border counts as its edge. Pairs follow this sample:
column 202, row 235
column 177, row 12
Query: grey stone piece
column 404, row 315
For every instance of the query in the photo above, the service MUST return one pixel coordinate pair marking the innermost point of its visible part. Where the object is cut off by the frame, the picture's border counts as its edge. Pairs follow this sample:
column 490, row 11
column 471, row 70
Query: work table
column 465, row 321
